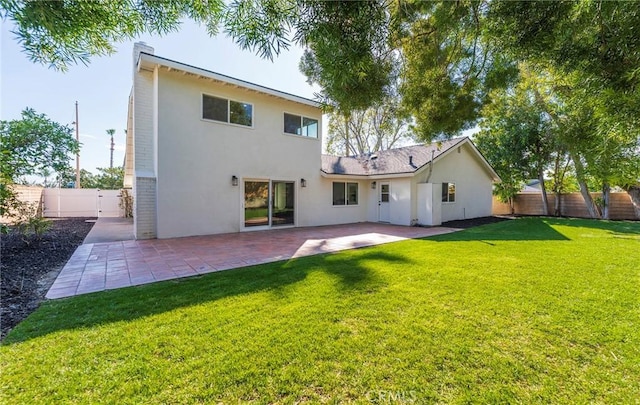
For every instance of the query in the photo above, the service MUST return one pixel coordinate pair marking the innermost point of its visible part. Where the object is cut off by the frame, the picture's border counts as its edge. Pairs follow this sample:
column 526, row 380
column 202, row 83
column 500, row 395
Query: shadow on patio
column 127, row 304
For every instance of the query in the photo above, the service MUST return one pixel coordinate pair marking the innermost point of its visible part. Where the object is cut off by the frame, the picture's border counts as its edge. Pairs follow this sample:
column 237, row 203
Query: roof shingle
column 407, row 159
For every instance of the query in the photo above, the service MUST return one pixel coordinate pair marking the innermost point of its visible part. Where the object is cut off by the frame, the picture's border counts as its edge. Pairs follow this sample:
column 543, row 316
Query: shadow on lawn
column 126, row 304
column 615, row 228
column 519, row 229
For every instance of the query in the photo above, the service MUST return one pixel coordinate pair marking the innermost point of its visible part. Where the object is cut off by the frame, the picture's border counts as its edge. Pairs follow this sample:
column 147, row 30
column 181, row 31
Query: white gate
column 109, row 204
column 83, row 202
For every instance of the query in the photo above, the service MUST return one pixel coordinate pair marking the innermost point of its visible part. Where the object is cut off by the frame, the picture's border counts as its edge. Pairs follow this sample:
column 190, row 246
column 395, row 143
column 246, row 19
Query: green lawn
column 531, row 310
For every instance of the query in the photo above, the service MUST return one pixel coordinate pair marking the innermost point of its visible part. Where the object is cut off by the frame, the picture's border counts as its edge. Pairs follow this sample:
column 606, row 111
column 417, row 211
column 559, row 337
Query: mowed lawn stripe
column 529, row 310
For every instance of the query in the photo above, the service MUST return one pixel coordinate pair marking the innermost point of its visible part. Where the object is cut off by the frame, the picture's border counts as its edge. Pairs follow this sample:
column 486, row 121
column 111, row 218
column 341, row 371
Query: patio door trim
column 270, row 198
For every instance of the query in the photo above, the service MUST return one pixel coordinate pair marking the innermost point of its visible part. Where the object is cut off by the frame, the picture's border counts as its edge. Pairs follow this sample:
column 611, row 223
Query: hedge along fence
column 571, row 205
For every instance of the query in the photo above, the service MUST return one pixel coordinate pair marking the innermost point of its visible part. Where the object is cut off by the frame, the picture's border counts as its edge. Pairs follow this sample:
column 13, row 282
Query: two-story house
column 208, row 153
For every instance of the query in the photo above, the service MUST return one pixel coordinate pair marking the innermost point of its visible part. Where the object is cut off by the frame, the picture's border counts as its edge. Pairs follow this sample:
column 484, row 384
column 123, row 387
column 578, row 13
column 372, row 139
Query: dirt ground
column 28, row 270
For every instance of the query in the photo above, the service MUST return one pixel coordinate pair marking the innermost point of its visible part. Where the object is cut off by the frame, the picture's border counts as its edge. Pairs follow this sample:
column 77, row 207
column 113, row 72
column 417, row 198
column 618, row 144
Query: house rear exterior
column 209, row 154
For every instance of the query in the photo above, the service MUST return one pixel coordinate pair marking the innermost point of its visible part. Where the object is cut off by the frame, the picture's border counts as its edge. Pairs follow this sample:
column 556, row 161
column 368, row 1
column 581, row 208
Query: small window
column 448, row 192
column 303, row 126
column 223, row 110
column 384, row 193
column 345, row 193
column 214, row 108
column 240, row 113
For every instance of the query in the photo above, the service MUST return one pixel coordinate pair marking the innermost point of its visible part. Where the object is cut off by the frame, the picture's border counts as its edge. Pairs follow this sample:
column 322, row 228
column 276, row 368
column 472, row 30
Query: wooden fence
column 571, row 205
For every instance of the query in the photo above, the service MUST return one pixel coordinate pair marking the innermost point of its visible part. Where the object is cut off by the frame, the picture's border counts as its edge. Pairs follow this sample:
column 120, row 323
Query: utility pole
column 77, row 154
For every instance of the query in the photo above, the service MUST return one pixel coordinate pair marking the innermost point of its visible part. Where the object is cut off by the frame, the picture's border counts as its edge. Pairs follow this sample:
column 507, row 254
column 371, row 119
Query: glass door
column 282, row 203
column 256, row 203
column 268, row 203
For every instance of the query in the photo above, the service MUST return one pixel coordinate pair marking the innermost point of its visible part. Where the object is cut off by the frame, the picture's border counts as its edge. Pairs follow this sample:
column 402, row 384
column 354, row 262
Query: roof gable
column 406, row 161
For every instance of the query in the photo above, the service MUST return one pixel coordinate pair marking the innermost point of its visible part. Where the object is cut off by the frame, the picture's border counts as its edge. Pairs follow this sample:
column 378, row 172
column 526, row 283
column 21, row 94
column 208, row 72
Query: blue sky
column 102, row 87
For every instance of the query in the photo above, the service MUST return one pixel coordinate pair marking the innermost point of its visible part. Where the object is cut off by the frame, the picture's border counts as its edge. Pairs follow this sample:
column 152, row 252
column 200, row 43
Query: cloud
column 88, row 136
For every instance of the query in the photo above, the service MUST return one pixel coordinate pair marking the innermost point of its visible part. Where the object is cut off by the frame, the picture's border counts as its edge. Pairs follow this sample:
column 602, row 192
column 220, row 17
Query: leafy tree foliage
column 374, row 129
column 449, row 57
column 522, row 137
column 31, row 145
column 62, row 32
column 347, row 53
column 108, row 178
column 450, row 63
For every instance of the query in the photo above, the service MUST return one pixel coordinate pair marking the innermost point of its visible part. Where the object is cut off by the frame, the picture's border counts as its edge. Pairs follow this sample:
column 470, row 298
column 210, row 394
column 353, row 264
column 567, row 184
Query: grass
column 531, row 310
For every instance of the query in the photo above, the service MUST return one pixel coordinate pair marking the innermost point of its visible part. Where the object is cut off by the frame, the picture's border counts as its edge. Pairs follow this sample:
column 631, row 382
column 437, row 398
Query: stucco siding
column 473, row 184
column 197, row 158
column 322, row 211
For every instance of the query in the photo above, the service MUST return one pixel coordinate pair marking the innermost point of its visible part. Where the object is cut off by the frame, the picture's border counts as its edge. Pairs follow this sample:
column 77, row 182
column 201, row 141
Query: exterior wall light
column 234, row 180
column 373, row 185
column 303, row 183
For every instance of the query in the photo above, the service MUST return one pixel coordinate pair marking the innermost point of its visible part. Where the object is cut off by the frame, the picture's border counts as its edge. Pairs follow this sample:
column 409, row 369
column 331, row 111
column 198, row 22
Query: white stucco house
column 208, row 154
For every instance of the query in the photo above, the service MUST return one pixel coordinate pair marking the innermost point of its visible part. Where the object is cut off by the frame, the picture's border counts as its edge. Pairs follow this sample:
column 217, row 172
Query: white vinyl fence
column 73, row 202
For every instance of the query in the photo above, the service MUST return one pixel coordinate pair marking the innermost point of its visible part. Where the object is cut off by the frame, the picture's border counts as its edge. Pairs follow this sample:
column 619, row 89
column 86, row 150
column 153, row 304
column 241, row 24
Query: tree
column 59, row 33
column 518, row 134
column 449, row 56
column 110, row 132
column 374, row 129
column 450, row 63
column 380, row 127
column 347, row 55
column 31, row 145
column 109, row 178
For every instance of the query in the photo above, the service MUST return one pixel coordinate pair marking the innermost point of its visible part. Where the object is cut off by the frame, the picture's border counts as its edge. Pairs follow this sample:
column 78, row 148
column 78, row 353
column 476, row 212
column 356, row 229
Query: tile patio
column 104, row 266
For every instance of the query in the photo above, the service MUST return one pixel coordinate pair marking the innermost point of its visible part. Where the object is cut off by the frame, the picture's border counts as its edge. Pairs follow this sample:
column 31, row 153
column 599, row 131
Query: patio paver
column 103, row 266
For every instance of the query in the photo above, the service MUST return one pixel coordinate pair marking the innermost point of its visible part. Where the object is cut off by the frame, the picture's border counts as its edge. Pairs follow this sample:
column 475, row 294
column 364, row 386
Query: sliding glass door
column 268, row 203
column 282, row 206
column 256, row 203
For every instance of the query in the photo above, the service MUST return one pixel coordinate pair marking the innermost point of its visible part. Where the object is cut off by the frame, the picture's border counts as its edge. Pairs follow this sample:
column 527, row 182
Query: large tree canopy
column 447, row 56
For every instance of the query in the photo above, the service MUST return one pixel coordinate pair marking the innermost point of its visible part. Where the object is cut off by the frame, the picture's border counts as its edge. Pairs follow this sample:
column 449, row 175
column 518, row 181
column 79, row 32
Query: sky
column 102, row 88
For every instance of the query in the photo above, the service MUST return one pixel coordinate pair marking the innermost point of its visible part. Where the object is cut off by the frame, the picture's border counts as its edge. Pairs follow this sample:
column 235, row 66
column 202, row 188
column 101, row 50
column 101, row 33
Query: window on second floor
column 448, row 192
column 229, row 111
column 298, row 125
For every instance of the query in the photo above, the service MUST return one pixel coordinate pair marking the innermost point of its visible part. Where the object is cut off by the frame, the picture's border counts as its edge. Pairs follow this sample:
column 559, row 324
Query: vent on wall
column 459, row 149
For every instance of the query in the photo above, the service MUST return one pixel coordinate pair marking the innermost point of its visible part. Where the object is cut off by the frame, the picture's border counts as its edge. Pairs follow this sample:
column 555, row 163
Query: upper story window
column 224, row 110
column 448, row 192
column 298, row 125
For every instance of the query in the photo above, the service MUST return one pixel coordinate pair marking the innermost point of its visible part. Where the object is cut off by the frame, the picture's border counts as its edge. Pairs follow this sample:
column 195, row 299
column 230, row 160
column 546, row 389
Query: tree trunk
column 584, row 190
column 346, row 135
column 606, row 194
column 634, row 193
column 545, row 200
column 557, row 185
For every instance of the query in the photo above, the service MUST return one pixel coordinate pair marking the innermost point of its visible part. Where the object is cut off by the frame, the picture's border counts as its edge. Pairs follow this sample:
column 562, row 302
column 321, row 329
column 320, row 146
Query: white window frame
column 455, row 192
column 302, row 117
column 346, row 195
column 228, row 121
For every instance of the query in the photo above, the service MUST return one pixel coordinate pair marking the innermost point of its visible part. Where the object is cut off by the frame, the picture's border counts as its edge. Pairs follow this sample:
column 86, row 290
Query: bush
column 29, row 222
column 126, row 203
